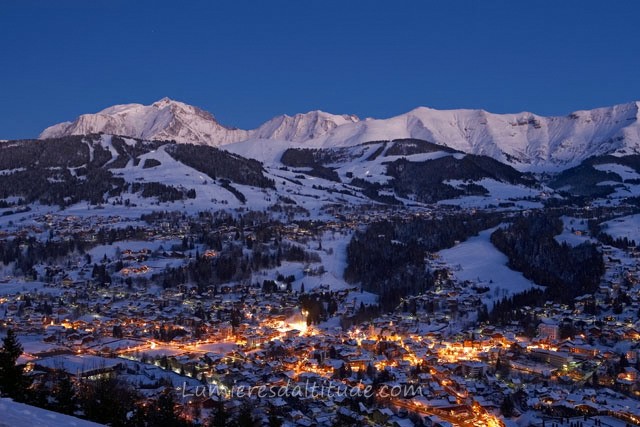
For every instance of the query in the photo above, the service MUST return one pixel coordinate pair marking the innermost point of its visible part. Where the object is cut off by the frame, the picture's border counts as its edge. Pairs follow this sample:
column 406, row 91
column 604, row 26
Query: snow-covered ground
column 174, row 173
column 8, row 222
column 574, row 231
column 13, row 287
column 77, row 363
column 333, row 255
column 625, row 172
column 628, row 226
column 334, row 260
column 499, row 192
column 14, row 414
column 476, row 259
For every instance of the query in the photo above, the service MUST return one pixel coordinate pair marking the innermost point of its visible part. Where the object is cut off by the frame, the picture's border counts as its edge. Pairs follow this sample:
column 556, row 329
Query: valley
column 377, row 281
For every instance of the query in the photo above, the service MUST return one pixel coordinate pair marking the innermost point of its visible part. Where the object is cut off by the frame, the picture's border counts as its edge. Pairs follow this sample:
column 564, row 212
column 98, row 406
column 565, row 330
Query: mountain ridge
column 525, row 140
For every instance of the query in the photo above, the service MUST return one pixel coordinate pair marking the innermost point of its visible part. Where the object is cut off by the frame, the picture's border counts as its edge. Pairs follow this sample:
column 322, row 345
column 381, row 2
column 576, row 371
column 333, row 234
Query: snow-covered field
column 499, row 192
column 628, row 226
column 333, row 255
column 625, row 172
column 476, row 259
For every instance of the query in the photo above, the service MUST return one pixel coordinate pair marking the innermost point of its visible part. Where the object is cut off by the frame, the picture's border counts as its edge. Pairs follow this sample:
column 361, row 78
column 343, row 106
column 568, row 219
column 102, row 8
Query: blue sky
column 248, row 61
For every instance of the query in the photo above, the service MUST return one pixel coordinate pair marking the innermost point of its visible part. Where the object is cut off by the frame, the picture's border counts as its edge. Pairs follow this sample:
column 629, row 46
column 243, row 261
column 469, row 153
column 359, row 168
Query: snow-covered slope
column 16, row 414
column 520, row 139
column 524, row 140
column 162, row 120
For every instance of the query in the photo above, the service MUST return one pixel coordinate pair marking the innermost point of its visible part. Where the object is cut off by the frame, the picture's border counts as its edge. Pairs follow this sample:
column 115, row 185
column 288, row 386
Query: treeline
column 584, row 179
column 64, row 171
column 310, row 157
column 388, row 258
column 596, row 228
column 41, row 170
column 426, row 179
column 131, row 152
column 235, row 261
column 60, row 187
column 221, row 164
column 532, row 249
column 66, row 152
column 511, row 309
column 27, row 252
column 372, row 191
column 164, row 193
column 408, row 147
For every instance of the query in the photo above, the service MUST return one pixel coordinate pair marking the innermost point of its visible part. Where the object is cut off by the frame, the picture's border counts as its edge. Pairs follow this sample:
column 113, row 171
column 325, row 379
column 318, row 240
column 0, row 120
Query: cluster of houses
column 445, row 367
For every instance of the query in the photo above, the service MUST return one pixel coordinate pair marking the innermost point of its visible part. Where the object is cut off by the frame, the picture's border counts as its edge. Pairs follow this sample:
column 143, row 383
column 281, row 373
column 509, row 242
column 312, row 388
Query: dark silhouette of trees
column 107, row 400
column 13, row 382
column 567, row 271
column 388, row 258
column 64, row 393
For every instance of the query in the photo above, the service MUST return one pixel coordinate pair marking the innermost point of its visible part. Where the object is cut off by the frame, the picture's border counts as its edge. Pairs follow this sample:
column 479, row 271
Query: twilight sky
column 247, row 61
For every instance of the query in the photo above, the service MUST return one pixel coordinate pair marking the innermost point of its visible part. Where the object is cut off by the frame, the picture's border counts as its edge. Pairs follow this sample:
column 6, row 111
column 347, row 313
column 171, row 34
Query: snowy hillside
column 135, row 176
column 524, row 140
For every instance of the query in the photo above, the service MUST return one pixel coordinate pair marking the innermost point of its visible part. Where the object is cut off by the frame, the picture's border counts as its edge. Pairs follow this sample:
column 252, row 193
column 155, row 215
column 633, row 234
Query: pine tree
column 13, row 382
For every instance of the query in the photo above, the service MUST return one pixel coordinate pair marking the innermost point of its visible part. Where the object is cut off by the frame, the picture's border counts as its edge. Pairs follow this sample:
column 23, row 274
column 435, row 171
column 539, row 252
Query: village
column 111, row 309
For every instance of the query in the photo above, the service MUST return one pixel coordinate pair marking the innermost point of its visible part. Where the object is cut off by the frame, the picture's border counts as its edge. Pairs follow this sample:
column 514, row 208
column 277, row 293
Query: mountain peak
column 163, row 101
column 303, row 126
column 164, row 119
column 168, row 102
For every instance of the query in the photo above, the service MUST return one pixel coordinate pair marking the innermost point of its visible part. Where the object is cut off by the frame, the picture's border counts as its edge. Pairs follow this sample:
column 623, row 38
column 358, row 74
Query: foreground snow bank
column 16, row 414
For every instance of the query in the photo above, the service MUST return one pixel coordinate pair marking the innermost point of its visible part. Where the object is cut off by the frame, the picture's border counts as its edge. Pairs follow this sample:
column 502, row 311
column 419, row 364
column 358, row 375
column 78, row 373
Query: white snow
column 499, row 192
column 13, row 287
column 477, row 260
column 302, row 127
column 163, row 120
column 628, row 226
column 16, row 414
column 625, row 172
column 525, row 140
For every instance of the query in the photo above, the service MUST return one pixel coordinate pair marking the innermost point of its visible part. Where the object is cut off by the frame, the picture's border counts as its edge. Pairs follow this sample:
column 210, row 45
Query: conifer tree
column 13, row 382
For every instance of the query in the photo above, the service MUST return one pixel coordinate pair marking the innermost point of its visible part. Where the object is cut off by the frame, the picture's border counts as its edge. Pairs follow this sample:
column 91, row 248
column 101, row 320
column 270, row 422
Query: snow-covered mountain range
column 524, row 140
